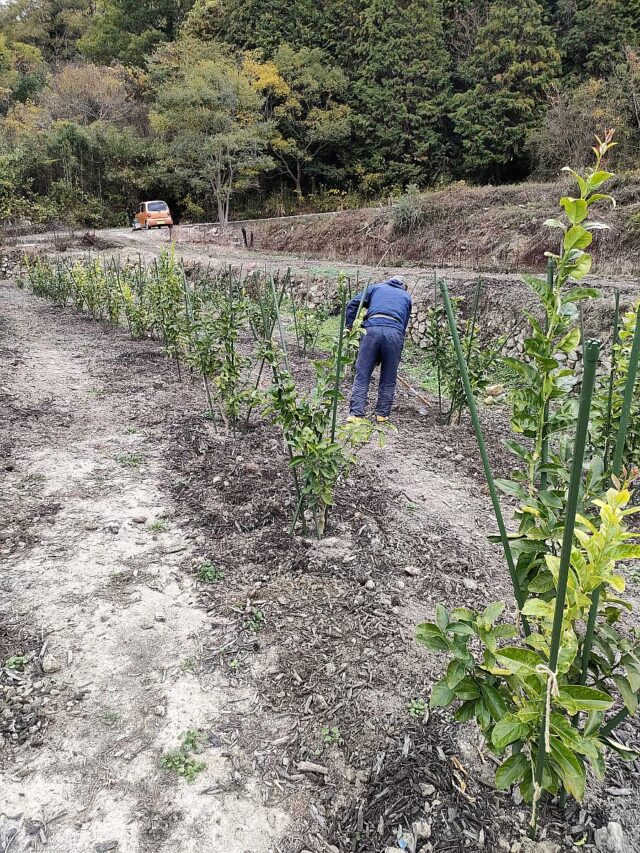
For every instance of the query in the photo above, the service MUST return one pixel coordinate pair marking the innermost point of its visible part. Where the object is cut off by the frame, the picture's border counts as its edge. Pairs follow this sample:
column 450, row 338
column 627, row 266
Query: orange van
column 152, row 214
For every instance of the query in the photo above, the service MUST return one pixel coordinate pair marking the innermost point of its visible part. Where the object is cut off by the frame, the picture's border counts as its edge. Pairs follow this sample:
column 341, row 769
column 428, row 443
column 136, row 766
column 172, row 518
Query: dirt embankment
column 493, row 229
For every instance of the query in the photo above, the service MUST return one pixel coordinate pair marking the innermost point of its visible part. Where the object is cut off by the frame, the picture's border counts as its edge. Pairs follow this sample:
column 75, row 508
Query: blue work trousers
column 382, row 344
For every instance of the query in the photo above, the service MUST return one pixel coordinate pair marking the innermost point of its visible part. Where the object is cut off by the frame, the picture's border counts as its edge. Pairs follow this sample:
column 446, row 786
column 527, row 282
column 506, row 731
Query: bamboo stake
column 612, row 376
column 518, row 592
column 591, row 354
column 544, row 452
column 627, row 399
column 336, row 388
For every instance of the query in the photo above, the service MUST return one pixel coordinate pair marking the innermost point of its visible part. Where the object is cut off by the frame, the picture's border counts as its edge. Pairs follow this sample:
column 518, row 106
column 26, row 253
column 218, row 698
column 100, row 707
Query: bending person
column 388, row 310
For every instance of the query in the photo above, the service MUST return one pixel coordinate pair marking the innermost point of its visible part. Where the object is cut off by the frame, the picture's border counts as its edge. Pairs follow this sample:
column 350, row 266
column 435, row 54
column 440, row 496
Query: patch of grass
column 182, row 760
column 158, row 526
column 418, row 370
column 328, row 333
column 34, row 479
column 417, row 708
column 209, row 573
column 15, row 662
column 110, row 717
column 129, row 460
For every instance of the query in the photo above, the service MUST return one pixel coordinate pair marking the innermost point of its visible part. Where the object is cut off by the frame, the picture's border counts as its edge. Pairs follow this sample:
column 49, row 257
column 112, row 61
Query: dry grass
column 492, row 229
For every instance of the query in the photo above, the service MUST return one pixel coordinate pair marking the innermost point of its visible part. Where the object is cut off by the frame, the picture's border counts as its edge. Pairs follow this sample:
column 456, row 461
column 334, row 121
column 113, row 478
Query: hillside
column 493, row 229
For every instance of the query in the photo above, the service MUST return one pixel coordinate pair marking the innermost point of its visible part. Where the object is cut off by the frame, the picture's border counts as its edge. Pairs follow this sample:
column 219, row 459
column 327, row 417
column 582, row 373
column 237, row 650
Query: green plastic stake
column 591, row 354
column 336, row 389
column 612, row 376
column 462, row 365
column 627, row 400
column 544, row 452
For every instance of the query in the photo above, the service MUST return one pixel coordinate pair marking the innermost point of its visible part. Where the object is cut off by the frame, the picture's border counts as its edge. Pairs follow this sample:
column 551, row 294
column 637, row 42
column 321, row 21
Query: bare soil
column 297, row 664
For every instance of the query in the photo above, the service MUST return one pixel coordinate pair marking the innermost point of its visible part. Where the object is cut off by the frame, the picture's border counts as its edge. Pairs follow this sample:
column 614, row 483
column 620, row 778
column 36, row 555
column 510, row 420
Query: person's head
column 398, row 281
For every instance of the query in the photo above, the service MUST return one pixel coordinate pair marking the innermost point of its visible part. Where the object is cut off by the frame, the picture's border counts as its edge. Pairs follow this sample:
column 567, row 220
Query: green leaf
column 511, row 771
column 554, row 223
column 580, row 266
column 569, row 768
column 519, row 661
column 441, row 695
column 463, row 614
column 510, row 487
column 574, row 698
column 508, row 730
column 538, row 608
column 597, row 179
column 494, row 701
column 467, row 689
column 625, row 752
column 577, row 237
column 432, row 637
column 601, row 197
column 575, row 208
column 551, row 499
column 466, row 711
column 455, row 673
column 492, row 612
column 461, row 629
column 442, row 617
column 593, row 723
column 628, row 696
column 577, row 294
column 569, row 342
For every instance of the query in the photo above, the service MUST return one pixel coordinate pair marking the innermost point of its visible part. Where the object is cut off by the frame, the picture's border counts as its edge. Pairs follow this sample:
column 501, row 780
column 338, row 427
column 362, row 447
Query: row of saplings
column 549, row 688
column 230, row 330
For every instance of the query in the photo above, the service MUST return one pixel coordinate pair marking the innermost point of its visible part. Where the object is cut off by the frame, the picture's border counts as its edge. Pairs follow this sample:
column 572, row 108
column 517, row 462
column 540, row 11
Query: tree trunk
column 299, row 181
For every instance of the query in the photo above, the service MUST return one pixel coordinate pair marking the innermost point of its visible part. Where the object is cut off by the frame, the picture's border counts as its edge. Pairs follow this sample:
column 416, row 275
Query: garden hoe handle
column 413, row 391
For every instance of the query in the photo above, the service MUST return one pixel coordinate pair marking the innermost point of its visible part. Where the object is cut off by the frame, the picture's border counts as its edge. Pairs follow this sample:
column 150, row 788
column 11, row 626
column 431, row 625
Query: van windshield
column 157, row 205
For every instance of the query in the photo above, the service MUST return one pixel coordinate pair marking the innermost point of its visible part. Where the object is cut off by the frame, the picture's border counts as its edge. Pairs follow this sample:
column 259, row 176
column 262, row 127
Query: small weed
column 129, row 460
column 96, row 393
column 34, row 479
column 15, row 662
column 209, row 573
column 254, row 621
column 110, row 717
column 189, row 665
column 158, row 526
column 417, row 708
column 234, row 665
column 182, row 760
column 410, row 506
column 330, row 735
column 131, row 430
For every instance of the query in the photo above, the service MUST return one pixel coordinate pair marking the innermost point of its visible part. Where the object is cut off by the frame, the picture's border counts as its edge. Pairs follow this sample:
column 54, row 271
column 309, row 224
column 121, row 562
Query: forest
column 228, row 109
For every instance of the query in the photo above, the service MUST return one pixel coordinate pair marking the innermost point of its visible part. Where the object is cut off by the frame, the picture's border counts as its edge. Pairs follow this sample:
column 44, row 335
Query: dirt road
column 219, row 251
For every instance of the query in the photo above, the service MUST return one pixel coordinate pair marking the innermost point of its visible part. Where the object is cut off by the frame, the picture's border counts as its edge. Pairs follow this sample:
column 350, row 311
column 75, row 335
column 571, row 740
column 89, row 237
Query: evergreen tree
column 510, row 76
column 250, row 24
column 53, row 26
column 597, row 33
column 129, row 30
column 402, row 91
